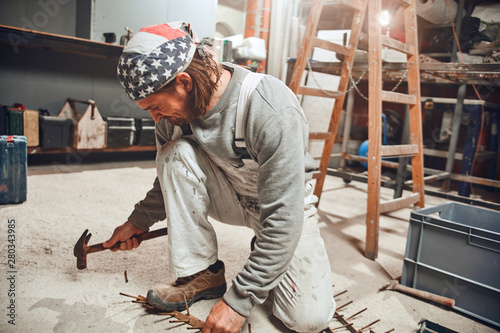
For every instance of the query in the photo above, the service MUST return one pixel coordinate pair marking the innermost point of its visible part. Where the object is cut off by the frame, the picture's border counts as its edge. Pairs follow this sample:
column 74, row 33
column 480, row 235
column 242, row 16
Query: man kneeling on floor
column 232, row 145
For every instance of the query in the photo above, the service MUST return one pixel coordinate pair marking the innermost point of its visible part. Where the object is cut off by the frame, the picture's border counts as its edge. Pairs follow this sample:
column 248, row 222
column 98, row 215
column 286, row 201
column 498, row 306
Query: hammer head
column 80, row 250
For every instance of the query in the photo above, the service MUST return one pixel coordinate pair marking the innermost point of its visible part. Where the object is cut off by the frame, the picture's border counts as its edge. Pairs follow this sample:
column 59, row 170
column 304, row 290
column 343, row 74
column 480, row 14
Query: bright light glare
column 385, row 18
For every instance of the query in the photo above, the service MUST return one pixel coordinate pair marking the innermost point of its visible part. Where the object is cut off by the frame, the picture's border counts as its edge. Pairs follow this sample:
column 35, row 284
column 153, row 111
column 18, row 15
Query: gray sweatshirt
column 276, row 136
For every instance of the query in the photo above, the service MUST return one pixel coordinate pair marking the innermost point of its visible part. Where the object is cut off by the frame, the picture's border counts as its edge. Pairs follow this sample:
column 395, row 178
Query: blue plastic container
column 13, row 169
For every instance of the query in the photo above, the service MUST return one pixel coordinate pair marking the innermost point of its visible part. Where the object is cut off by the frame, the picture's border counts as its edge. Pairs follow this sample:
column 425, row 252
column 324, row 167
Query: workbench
column 432, row 72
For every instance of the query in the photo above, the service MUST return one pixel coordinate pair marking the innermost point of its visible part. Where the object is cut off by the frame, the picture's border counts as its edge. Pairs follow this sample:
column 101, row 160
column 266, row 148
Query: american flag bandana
column 154, row 56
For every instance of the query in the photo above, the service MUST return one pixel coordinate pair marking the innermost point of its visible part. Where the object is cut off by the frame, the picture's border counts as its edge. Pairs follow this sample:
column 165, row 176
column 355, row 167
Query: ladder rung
column 316, row 175
column 405, row 3
column 320, row 136
column 355, row 4
column 431, row 178
column 334, row 47
column 399, row 203
column 389, row 96
column 397, row 45
column 317, row 92
column 399, row 150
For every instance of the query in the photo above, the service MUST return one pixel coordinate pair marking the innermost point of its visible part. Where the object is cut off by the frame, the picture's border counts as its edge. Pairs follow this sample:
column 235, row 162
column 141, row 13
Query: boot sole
column 156, row 301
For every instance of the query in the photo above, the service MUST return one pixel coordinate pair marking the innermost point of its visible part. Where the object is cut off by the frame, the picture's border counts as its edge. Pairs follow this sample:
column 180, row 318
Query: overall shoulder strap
column 248, row 85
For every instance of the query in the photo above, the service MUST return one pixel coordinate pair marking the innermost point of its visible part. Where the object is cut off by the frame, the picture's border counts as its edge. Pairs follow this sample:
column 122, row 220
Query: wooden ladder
column 376, row 96
column 310, row 41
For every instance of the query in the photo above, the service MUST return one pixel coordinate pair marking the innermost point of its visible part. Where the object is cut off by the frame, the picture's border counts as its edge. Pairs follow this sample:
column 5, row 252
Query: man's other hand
column 124, row 234
column 223, row 319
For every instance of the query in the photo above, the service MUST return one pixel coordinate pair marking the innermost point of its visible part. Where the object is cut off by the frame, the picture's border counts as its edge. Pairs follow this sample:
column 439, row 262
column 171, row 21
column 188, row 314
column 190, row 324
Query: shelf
column 430, row 72
column 39, row 150
column 18, row 37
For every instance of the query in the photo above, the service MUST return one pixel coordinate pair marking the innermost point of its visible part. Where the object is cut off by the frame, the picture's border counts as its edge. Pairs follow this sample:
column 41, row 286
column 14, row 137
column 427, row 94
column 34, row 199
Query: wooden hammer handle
column 449, row 302
column 140, row 238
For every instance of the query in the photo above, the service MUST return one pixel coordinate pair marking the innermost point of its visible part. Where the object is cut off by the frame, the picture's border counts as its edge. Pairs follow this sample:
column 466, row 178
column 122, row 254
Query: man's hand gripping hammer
column 82, row 249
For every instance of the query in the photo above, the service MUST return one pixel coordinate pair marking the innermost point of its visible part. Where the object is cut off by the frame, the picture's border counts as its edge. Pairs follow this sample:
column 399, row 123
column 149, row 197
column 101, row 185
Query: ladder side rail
column 415, row 111
column 374, row 129
column 356, row 26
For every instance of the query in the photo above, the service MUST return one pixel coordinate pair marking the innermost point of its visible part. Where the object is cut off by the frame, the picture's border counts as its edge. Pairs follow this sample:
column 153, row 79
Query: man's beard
column 191, row 113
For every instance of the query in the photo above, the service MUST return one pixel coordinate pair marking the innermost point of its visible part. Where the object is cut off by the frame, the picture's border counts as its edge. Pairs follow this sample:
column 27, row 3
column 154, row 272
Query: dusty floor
column 52, row 295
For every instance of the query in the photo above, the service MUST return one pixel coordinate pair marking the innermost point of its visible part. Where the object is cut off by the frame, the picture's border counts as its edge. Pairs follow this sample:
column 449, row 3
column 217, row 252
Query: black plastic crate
column 55, row 132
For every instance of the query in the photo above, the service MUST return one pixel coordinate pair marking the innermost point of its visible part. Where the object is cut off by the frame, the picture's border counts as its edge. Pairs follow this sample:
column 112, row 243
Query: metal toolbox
column 145, row 135
column 55, row 132
column 120, row 131
column 13, row 169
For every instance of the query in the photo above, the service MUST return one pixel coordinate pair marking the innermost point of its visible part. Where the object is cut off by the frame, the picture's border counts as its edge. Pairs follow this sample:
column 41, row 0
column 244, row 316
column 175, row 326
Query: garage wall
column 44, row 79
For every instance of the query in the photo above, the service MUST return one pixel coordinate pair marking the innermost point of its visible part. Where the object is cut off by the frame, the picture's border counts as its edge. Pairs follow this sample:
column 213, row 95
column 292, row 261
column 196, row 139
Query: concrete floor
column 52, row 295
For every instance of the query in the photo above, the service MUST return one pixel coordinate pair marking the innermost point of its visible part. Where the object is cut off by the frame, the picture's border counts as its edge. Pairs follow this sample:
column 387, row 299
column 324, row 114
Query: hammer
column 394, row 285
column 82, row 249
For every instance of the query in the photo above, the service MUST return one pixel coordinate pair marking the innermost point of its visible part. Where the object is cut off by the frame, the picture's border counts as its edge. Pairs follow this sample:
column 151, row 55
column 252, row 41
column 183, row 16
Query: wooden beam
column 320, row 136
column 399, row 150
column 392, row 205
column 309, row 91
column 393, row 97
column 397, row 45
column 374, row 128
column 334, row 47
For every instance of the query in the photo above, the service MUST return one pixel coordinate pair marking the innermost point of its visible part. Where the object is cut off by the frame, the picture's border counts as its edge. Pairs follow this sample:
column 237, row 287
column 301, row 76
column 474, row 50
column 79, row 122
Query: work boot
column 207, row 284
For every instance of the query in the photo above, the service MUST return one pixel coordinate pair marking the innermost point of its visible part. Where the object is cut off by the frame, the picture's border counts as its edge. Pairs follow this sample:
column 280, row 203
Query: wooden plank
column 320, row 136
column 397, row 45
column 309, row 91
column 394, row 97
column 433, row 178
column 334, row 47
column 374, row 128
column 475, row 180
column 399, row 150
column 392, row 205
column 31, row 128
column 481, row 155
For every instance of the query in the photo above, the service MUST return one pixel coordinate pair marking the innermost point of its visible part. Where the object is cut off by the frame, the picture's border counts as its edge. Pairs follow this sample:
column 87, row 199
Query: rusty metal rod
column 340, row 293
column 370, row 324
column 346, row 304
column 357, row 313
column 343, row 321
column 343, row 326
